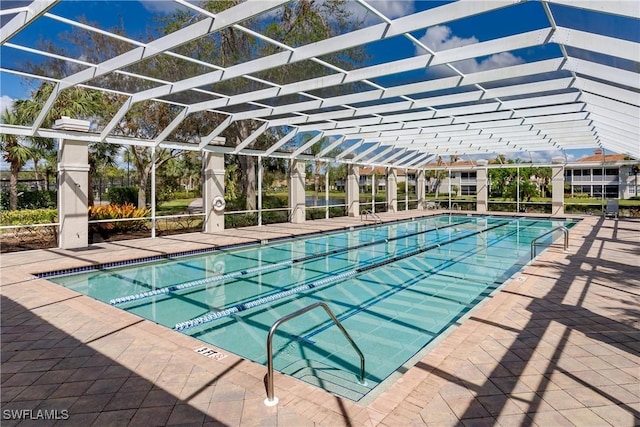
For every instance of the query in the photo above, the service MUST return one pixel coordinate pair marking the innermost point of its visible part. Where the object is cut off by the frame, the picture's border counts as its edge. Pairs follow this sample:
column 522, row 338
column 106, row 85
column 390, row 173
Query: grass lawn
column 173, row 207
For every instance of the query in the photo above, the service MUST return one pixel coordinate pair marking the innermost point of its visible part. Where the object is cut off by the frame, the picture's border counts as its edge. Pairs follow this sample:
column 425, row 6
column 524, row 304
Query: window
column 468, row 175
column 583, row 189
column 611, row 191
column 468, row 190
column 611, row 172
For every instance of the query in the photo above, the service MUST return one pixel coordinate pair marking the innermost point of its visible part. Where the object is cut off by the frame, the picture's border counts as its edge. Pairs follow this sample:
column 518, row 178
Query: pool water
column 395, row 288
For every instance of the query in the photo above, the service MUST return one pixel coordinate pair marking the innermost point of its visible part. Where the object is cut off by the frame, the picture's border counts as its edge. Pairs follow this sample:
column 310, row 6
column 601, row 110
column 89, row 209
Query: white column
column 449, row 190
column 260, row 176
column 326, row 192
column 296, row 192
column 213, row 194
column 373, row 191
column 482, row 190
column 392, row 190
column 73, row 194
column 518, row 189
column 557, row 190
column 353, row 190
column 153, row 192
column 421, row 189
column 406, row 189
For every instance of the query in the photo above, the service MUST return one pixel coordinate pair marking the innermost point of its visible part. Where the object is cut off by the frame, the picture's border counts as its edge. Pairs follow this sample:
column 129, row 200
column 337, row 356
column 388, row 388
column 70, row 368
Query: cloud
column 391, row 9
column 440, row 37
column 394, row 9
column 5, row 103
column 542, row 156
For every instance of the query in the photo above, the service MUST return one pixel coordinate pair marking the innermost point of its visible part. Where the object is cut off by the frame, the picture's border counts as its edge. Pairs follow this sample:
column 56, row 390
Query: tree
column 15, row 153
column 74, row 102
column 298, row 23
column 543, row 176
column 295, row 24
column 337, row 172
column 81, row 103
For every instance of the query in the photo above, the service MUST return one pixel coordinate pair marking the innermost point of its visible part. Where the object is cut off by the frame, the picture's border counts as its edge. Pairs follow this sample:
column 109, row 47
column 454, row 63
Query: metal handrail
column 565, row 231
column 366, row 214
column 271, row 400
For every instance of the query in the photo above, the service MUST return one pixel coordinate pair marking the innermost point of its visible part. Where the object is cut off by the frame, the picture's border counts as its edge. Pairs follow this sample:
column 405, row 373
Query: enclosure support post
column 518, row 189
column 373, row 191
column 449, row 190
column 482, row 191
column 326, row 192
column 392, row 190
column 406, row 189
column 213, row 202
column 73, row 194
column 296, row 192
column 153, row 192
column 557, row 190
column 260, row 176
column 353, row 190
column 421, row 189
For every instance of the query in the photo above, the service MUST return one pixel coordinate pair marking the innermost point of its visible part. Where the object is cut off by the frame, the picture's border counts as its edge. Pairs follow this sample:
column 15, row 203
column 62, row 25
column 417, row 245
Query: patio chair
column 612, row 209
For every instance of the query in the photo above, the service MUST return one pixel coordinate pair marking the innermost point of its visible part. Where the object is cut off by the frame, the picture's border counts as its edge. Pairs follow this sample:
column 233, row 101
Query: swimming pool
column 394, row 287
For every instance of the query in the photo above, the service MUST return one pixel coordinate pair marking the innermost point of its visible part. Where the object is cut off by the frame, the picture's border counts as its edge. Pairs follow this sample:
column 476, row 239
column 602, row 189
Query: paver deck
column 558, row 345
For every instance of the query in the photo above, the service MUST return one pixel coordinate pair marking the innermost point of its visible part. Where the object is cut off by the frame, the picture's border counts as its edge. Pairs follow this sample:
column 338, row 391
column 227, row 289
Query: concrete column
column 73, row 194
column 296, row 192
column 213, row 192
column 421, row 192
column 482, row 190
column 392, row 190
column 557, row 190
column 353, row 190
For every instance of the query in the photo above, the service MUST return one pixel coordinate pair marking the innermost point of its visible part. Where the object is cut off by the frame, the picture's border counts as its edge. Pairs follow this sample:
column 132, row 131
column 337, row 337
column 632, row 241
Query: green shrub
column 122, row 195
column 28, row 216
column 187, row 194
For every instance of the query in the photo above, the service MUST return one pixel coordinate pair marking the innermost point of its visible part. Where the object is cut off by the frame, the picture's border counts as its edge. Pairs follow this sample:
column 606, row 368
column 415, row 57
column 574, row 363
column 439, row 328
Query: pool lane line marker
column 207, row 318
column 415, row 280
column 187, row 285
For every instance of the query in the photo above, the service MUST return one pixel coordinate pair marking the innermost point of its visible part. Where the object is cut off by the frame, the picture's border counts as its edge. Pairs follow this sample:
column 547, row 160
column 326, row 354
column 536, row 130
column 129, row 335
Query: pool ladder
column 565, row 231
column 365, row 214
column 271, row 400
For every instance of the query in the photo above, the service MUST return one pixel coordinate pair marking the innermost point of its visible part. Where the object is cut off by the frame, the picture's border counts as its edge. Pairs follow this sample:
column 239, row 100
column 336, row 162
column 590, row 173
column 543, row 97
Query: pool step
column 340, row 382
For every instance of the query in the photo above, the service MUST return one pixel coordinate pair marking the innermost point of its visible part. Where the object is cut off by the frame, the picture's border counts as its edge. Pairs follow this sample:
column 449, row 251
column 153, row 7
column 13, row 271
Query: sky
column 137, row 17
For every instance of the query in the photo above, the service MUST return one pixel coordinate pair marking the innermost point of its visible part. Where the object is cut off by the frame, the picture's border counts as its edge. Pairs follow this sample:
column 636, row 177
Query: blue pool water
column 394, row 287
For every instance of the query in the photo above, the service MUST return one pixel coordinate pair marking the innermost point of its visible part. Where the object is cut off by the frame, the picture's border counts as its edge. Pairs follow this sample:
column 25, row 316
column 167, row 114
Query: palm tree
column 73, row 102
column 15, row 153
column 40, row 150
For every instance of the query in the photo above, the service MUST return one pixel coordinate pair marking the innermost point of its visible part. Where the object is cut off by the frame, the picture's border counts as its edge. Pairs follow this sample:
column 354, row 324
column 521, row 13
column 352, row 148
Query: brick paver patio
column 558, row 345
